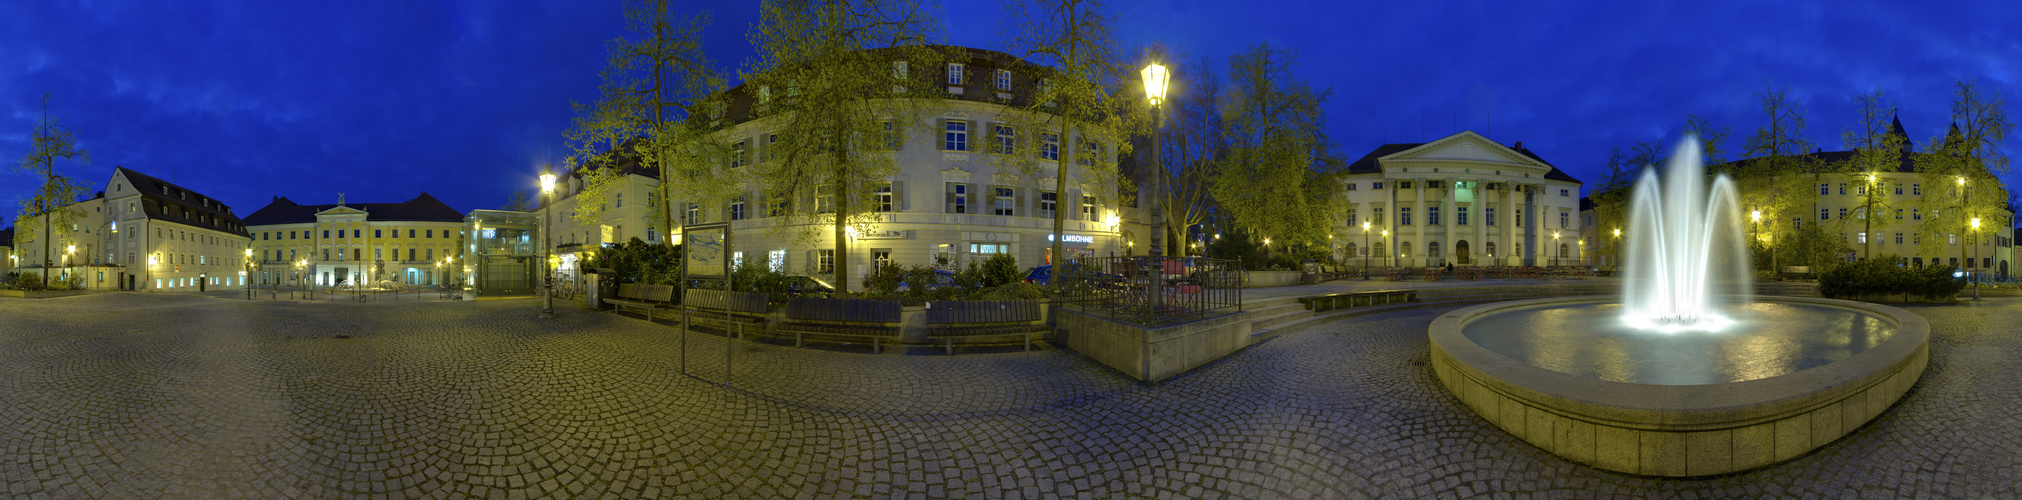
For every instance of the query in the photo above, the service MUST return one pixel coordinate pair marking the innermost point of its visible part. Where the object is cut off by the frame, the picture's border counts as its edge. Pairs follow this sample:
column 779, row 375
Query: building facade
column 414, row 242
column 631, row 208
column 954, row 200
column 1462, row 200
column 145, row 234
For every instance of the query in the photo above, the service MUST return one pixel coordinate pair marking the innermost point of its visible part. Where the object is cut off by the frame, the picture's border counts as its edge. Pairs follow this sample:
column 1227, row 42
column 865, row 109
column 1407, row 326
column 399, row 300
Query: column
column 1418, row 221
column 1480, row 229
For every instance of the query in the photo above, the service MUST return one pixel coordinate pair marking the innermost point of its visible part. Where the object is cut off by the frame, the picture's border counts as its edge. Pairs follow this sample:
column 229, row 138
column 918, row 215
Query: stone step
column 1266, row 321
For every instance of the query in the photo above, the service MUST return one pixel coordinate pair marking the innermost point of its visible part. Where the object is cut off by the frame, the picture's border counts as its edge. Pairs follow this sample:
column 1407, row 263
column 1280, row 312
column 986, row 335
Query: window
column 355, row 233
column 1915, row 189
column 1564, row 192
column 1432, row 216
column 824, row 200
column 1899, row 188
column 1351, row 217
column 1005, row 140
column 1861, row 238
column 956, row 136
column 989, row 248
column 1088, row 209
column 694, row 215
column 1376, row 215
column 1824, row 188
column 410, row 233
column 1519, row 218
column 1403, row 184
column 825, row 261
column 1049, row 146
column 1861, row 189
column 326, row 233
column 618, row 200
column 1842, row 188
column 1899, row 238
column 1404, row 216
column 1460, row 216
column 955, row 71
column 1006, row 201
column 958, row 198
column 1047, row 204
column 882, row 196
column 1842, row 213
column 1488, row 216
column 1916, row 215
column 1564, row 217
column 1490, row 249
column 326, row 254
column 1376, row 185
column 1087, row 157
column 881, row 257
column 376, row 233
column 428, row 253
column 737, row 208
column 1899, row 214
column 898, row 70
column 738, row 153
column 892, row 136
column 1824, row 213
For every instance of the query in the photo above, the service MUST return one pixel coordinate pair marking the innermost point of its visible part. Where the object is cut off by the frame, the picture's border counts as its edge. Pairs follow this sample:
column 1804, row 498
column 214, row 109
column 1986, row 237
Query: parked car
column 799, row 286
column 1042, row 275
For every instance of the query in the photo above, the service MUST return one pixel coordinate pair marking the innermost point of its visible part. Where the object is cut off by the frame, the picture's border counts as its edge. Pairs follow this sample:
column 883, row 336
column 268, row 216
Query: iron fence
column 1122, row 288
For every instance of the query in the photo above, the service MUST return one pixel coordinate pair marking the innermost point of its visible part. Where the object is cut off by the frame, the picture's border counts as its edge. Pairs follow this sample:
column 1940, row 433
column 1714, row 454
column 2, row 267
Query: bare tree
column 1775, row 183
column 1270, row 129
column 1194, row 145
column 1877, row 150
column 50, row 141
column 1961, row 171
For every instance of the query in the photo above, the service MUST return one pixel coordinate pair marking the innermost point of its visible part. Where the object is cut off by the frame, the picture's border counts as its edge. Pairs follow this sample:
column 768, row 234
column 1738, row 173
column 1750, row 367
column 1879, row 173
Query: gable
column 1464, row 150
column 341, row 210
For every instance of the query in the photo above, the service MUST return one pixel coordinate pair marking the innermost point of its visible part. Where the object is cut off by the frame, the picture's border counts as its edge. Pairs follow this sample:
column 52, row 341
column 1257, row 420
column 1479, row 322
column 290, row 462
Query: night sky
column 382, row 99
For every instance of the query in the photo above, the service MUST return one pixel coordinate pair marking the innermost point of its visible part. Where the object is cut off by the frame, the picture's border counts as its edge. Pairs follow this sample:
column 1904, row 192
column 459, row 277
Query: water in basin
column 1593, row 340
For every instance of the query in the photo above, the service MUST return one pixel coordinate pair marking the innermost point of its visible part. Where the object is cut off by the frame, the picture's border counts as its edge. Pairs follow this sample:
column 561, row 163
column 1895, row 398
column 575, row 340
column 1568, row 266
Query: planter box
column 1262, row 279
column 1152, row 354
column 41, row 294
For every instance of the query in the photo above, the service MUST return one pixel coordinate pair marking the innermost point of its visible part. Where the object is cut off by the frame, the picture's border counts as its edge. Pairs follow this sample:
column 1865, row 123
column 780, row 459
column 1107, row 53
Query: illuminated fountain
column 1685, row 374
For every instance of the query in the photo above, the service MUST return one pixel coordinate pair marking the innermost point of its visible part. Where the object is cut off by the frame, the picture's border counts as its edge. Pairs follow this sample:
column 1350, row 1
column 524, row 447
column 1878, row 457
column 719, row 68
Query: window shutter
column 899, row 196
column 1018, row 204
column 898, row 137
column 948, row 190
column 973, row 199
column 941, row 142
column 991, row 207
column 1061, row 201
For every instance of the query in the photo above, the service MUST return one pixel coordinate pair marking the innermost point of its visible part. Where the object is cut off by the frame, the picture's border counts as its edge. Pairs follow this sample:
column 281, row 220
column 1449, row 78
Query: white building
column 144, row 233
column 1463, row 200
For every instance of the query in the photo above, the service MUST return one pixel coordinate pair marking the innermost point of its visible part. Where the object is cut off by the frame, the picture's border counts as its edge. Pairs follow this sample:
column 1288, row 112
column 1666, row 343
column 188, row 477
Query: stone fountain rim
column 1679, row 407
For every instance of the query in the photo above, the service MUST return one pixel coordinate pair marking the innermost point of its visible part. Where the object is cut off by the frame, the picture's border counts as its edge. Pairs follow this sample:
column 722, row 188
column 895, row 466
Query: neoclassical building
column 146, row 234
column 953, row 200
column 1462, row 199
column 410, row 242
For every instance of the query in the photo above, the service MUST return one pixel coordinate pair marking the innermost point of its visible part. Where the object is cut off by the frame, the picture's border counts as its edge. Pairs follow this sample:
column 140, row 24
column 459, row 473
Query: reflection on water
column 1589, row 340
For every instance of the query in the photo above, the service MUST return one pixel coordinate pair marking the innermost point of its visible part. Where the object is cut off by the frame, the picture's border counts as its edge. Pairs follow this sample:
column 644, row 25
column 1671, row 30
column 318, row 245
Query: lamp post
column 547, row 275
column 1365, row 250
column 1386, row 248
column 1154, row 76
column 1618, row 249
column 1976, row 255
column 249, row 272
column 1965, row 201
column 1555, row 247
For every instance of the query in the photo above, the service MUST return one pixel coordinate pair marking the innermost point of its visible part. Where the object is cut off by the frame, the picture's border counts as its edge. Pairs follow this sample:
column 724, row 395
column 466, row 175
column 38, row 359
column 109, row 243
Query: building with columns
column 409, row 242
column 1463, row 200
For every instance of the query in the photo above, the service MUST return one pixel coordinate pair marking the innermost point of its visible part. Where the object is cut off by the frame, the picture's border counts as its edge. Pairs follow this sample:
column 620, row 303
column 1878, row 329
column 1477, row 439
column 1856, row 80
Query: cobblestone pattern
column 139, row 396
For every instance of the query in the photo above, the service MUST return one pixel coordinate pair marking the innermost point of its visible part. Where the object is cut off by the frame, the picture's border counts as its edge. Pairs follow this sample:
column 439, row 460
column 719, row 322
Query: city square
column 202, row 396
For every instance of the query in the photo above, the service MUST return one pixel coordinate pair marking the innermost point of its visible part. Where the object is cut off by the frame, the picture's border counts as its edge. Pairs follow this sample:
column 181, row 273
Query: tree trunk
column 1060, row 206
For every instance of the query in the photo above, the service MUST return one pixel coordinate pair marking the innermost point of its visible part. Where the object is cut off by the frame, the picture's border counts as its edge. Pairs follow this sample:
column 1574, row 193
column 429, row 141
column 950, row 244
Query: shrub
column 1882, row 276
column 1000, row 269
column 1017, row 290
column 885, row 279
column 640, row 262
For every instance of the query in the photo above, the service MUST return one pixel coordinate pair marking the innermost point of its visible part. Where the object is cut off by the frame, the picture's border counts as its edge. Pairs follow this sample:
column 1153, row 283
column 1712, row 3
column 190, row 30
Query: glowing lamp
column 1154, row 82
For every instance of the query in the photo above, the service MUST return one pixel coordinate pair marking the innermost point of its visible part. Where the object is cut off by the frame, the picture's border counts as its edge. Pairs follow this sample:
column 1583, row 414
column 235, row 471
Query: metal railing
column 1122, row 288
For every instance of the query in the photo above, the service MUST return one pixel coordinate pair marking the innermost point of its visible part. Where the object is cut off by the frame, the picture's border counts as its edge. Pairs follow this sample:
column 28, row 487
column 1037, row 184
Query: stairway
column 1284, row 319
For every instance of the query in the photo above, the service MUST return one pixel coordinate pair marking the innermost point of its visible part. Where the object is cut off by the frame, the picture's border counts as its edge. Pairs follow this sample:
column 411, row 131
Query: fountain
column 1687, row 373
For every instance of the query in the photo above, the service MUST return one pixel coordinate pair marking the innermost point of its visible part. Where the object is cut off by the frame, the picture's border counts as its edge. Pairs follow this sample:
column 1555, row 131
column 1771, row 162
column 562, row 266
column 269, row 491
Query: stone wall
column 1152, row 354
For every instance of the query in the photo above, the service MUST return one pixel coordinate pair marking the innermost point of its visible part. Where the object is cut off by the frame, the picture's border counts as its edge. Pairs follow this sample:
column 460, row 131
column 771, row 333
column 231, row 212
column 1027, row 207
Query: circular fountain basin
column 1564, row 375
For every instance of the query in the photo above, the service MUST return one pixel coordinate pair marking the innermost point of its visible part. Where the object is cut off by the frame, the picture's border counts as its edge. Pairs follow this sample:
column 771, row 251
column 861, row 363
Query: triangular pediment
column 341, row 210
column 1465, row 149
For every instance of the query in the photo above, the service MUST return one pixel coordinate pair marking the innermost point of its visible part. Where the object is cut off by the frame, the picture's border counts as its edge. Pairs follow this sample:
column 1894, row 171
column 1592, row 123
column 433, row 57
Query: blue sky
column 383, row 99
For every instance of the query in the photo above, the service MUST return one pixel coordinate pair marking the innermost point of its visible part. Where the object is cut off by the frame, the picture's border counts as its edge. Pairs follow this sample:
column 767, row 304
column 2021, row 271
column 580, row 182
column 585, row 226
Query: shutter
column 973, row 198
column 989, row 142
column 991, row 208
column 898, row 137
column 1074, row 209
column 941, row 143
column 1019, row 202
column 899, row 196
column 948, row 191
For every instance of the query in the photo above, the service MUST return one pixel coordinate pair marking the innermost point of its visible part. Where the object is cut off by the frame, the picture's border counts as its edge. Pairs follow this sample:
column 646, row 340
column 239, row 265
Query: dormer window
column 764, row 95
column 1003, row 79
column 898, row 70
column 955, row 73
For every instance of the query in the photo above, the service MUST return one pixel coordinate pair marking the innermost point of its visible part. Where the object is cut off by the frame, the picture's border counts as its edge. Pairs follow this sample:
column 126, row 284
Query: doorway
column 1460, row 252
column 202, row 279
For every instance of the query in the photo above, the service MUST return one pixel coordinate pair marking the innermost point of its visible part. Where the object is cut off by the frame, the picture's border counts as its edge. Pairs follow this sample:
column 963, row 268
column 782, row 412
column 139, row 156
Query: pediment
column 340, row 210
column 1464, row 149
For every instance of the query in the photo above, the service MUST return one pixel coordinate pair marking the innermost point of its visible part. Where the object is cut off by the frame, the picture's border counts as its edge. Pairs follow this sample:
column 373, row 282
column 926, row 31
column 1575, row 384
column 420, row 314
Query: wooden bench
column 969, row 319
column 854, row 319
column 646, row 298
column 733, row 310
column 1332, row 301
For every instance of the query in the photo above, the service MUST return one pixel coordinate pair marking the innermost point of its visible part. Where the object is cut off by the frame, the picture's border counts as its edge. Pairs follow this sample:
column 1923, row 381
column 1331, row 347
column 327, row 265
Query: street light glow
column 1154, row 82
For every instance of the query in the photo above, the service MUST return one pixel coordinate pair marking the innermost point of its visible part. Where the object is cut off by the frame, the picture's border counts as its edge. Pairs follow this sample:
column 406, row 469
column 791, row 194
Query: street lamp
column 1386, row 245
column 249, row 272
column 1154, row 76
column 547, row 274
column 1976, row 255
column 1365, row 250
column 1555, row 246
column 1618, row 249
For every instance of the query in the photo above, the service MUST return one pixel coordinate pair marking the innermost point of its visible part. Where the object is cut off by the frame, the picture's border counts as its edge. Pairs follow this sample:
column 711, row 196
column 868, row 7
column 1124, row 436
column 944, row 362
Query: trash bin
column 597, row 286
column 1309, row 272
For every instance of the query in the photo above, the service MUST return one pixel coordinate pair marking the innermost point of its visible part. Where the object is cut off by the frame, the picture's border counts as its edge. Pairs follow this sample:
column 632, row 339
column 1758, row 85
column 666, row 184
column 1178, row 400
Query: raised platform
column 1152, row 354
column 1679, row 430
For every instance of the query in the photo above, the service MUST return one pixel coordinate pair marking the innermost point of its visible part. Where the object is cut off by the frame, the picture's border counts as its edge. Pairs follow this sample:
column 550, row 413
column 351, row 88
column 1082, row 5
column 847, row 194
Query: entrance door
column 201, row 281
column 129, row 282
column 1460, row 252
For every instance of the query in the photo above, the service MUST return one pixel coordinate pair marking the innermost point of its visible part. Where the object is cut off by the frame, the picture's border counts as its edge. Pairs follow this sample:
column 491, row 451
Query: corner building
column 950, row 202
column 1463, row 200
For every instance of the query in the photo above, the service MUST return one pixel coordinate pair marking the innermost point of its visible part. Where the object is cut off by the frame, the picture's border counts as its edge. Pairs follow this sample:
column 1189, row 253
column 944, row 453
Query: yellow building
column 411, row 242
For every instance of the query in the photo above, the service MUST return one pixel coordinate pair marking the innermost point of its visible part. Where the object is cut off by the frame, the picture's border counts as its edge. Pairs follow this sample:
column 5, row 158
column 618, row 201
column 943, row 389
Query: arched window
column 1490, row 248
column 1404, row 249
column 1562, row 250
column 1432, row 250
column 1352, row 250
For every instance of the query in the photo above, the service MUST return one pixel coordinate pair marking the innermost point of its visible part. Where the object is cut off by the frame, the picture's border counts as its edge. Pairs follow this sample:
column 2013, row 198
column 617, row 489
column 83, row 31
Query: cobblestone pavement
column 140, row 396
